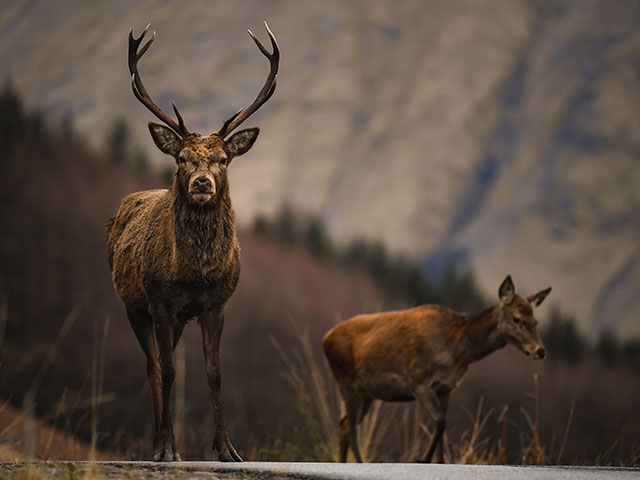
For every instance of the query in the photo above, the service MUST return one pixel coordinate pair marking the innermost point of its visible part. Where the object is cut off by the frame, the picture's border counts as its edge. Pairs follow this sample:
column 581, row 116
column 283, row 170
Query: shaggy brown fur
column 421, row 354
column 174, row 254
column 175, row 259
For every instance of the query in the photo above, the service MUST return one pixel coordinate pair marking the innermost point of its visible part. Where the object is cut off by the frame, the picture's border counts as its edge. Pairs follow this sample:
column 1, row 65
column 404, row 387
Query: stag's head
column 518, row 324
column 202, row 160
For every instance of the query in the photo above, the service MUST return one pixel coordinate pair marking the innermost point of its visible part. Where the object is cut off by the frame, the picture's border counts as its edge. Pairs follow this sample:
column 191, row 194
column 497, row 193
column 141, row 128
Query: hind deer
column 422, row 354
column 174, row 254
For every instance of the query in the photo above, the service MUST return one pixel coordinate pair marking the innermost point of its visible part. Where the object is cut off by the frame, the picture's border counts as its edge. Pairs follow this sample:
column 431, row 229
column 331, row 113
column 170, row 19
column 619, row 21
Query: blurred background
column 414, row 152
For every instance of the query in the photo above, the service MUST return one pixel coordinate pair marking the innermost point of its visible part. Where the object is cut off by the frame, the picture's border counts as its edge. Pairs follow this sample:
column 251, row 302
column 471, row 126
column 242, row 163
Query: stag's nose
column 541, row 352
column 202, row 185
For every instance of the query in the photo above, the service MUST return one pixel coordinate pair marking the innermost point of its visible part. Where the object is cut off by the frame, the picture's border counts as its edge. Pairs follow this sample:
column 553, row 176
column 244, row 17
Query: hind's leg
column 356, row 406
column 344, row 438
column 345, row 430
column 435, row 405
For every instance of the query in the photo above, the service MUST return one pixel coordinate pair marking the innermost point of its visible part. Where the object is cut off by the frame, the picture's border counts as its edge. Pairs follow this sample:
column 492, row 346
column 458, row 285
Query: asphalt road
column 312, row 471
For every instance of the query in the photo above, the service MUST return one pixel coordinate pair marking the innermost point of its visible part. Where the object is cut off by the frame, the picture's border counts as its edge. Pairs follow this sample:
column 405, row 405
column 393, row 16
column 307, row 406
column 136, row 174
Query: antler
column 267, row 90
column 138, row 88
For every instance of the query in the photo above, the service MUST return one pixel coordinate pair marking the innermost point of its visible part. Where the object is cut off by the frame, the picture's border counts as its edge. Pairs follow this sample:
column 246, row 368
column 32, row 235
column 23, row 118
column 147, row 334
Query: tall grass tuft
column 316, row 402
column 97, row 381
column 471, row 447
column 29, row 401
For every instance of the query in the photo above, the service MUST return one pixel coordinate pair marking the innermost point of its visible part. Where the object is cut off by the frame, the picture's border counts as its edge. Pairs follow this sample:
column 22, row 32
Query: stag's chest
column 191, row 302
column 213, row 271
column 196, row 294
column 197, row 281
column 206, row 254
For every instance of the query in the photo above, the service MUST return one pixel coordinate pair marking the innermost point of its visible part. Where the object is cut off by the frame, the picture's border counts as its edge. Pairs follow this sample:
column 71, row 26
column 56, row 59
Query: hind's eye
column 181, row 159
column 516, row 319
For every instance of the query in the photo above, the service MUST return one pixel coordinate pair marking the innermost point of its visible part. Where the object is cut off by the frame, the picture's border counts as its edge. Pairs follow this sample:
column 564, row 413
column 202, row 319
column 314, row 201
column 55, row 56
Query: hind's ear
column 507, row 290
column 165, row 139
column 242, row 141
column 537, row 298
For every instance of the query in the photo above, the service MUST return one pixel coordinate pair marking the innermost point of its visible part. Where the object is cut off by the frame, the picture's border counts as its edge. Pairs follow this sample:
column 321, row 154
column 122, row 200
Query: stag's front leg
column 211, row 324
column 165, row 444
column 142, row 325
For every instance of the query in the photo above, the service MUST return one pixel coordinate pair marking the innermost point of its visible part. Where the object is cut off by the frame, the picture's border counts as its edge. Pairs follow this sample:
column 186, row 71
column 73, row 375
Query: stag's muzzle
column 202, row 189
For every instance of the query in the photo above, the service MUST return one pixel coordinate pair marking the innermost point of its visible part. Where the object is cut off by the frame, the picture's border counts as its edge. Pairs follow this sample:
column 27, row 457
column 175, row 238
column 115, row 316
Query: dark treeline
column 562, row 337
column 120, row 150
column 56, row 194
column 394, row 272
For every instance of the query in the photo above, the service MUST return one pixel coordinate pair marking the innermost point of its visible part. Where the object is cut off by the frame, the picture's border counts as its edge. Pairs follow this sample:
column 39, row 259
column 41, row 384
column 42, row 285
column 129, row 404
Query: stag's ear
column 538, row 298
column 240, row 142
column 165, row 139
column 507, row 290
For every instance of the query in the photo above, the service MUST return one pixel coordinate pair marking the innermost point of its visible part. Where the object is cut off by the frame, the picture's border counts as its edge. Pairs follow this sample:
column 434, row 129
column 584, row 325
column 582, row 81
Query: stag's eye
column 181, row 158
column 516, row 319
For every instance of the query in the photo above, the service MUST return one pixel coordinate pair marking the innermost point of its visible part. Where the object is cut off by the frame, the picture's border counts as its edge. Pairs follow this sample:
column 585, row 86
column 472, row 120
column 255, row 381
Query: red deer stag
column 174, row 254
column 422, row 354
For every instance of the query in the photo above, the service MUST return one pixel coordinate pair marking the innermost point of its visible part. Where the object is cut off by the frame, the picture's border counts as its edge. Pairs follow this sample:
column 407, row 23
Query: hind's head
column 518, row 324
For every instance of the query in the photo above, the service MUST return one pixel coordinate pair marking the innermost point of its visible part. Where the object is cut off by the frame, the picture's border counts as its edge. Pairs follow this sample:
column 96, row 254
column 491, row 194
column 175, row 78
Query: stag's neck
column 204, row 237
column 481, row 335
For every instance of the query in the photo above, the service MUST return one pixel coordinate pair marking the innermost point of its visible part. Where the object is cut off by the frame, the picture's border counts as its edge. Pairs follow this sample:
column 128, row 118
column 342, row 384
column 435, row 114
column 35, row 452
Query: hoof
column 166, row 454
column 227, row 453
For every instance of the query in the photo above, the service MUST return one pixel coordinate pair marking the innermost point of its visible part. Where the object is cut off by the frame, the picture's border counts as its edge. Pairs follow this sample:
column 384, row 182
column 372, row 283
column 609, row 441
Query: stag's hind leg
column 211, row 324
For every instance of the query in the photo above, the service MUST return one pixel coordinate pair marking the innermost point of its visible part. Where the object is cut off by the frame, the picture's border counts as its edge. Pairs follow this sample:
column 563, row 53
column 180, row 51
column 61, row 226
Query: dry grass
column 24, row 437
column 316, row 402
column 54, row 470
column 50, row 442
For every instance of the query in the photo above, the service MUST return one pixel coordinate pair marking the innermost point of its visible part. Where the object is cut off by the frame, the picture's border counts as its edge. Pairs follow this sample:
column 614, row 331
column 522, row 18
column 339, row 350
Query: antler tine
column 180, row 120
column 267, row 90
column 225, row 126
column 138, row 88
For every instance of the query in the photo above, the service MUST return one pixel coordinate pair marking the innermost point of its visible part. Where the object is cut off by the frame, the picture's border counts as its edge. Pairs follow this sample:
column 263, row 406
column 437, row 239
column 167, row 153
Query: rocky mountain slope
column 504, row 135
